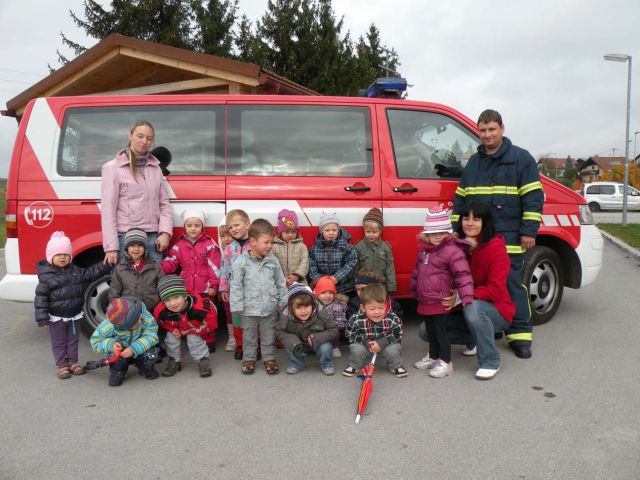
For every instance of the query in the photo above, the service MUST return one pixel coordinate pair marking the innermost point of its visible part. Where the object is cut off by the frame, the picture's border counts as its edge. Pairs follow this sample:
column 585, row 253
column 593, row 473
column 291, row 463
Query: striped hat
column 124, row 312
column 437, row 221
column 374, row 215
column 171, row 286
column 296, row 289
column 135, row 236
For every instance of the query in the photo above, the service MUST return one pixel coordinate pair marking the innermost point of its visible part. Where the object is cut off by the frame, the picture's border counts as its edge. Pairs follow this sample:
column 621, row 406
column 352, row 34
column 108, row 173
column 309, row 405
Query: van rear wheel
column 594, row 207
column 96, row 301
column 543, row 276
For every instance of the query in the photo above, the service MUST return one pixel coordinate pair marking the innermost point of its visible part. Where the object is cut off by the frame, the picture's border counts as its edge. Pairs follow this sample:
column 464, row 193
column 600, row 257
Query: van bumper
column 14, row 285
column 590, row 251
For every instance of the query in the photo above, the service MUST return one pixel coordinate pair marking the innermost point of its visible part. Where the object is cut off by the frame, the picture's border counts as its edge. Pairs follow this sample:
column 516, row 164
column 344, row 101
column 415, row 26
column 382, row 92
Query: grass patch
column 629, row 234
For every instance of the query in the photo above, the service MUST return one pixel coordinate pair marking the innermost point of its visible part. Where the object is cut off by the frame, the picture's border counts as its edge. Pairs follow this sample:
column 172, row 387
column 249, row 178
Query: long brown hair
column 133, row 158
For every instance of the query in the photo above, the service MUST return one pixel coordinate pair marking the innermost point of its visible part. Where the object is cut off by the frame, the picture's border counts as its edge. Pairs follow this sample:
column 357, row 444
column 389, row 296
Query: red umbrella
column 92, row 365
column 366, row 375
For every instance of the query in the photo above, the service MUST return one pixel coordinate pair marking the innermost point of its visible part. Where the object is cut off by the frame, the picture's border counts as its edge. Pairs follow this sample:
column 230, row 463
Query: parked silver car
column 608, row 196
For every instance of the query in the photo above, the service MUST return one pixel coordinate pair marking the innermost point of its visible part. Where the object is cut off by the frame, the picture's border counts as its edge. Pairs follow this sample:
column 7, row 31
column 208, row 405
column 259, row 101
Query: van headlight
column 586, row 218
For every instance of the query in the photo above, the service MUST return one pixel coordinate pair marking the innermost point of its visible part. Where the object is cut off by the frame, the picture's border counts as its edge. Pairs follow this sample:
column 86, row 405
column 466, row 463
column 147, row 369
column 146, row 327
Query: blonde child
column 289, row 248
column 335, row 305
column 375, row 253
column 332, row 255
column 59, row 300
column 224, row 239
column 237, row 222
column 185, row 313
column 304, row 328
column 258, row 293
column 441, row 266
column 198, row 258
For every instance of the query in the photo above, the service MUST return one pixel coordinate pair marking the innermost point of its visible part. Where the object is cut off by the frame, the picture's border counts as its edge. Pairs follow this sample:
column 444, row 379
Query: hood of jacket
column 343, row 237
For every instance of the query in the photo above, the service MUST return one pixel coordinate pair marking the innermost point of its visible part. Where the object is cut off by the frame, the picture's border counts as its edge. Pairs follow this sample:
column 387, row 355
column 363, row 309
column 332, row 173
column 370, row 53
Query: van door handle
column 405, row 189
column 363, row 188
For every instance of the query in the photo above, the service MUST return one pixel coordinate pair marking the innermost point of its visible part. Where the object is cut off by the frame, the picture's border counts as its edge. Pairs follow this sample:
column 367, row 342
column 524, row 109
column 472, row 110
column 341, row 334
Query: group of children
column 273, row 292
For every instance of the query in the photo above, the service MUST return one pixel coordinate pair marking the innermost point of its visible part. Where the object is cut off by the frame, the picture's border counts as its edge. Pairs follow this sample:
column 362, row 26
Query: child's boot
column 271, row 367
column 62, row 371
column 172, row 368
column 204, row 367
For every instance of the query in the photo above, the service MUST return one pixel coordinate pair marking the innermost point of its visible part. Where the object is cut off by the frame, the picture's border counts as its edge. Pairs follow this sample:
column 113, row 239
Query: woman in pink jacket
column 134, row 195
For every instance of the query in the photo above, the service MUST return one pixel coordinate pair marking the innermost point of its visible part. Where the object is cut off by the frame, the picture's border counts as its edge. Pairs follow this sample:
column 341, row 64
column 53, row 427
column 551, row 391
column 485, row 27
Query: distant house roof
column 608, row 163
column 121, row 65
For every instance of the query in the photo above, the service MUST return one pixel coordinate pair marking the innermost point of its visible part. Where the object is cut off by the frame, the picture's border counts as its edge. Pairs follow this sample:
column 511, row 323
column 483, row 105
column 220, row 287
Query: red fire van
column 262, row 154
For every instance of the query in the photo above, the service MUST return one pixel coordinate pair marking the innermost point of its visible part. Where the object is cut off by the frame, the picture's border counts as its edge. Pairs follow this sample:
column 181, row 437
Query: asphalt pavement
column 570, row 412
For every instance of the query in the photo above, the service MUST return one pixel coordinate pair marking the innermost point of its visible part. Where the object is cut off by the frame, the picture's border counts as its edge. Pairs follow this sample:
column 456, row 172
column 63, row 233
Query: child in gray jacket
column 258, row 293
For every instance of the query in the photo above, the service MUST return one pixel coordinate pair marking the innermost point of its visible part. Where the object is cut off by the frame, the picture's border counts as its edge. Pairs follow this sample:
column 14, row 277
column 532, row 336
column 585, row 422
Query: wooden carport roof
column 120, row 65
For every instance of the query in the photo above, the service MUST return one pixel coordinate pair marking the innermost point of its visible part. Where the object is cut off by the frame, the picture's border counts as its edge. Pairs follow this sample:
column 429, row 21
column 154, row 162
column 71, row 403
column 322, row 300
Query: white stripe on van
column 564, row 220
column 575, row 220
column 404, row 217
column 549, row 220
column 42, row 133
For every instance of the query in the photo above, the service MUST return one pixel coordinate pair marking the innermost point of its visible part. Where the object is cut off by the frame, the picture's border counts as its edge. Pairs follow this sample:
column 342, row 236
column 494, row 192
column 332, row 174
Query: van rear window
column 299, row 140
column 192, row 134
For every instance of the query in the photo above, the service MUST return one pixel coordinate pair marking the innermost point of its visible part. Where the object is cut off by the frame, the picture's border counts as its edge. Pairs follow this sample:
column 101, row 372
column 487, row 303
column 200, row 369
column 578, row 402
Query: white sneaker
column 425, row 363
column 231, row 344
column 486, row 373
column 336, row 353
column 442, row 369
column 469, row 352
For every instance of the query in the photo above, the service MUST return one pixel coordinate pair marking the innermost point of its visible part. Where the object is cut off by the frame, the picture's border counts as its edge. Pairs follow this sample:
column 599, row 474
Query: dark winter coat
column 200, row 317
column 438, row 270
column 60, row 291
column 320, row 327
column 335, row 258
column 127, row 281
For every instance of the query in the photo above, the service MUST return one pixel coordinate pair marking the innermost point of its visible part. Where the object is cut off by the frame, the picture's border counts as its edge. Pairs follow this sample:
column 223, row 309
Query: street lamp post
column 635, row 153
column 619, row 57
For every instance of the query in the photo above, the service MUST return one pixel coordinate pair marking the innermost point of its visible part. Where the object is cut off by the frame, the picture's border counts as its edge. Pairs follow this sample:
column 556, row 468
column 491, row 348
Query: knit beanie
column 171, row 286
column 437, row 221
column 135, row 236
column 324, row 284
column 287, row 220
column 374, row 215
column 199, row 214
column 296, row 289
column 124, row 312
column 328, row 218
column 58, row 244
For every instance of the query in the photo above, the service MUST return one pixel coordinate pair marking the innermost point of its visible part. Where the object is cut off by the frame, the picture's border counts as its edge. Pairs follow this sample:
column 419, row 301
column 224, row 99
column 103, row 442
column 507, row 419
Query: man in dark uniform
column 506, row 178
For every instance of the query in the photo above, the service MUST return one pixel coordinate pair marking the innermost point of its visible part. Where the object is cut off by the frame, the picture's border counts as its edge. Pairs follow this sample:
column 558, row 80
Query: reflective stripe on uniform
column 523, row 190
column 515, row 249
column 460, row 191
column 490, row 190
column 525, row 336
column 455, row 218
column 533, row 216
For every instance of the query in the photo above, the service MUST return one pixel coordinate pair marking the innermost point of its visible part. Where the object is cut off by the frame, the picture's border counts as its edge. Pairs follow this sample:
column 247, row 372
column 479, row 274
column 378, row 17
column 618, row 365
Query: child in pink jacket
column 441, row 266
column 198, row 256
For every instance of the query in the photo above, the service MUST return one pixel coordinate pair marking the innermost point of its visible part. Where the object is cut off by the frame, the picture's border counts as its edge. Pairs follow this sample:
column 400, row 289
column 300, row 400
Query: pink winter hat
column 58, row 244
column 437, row 221
column 287, row 220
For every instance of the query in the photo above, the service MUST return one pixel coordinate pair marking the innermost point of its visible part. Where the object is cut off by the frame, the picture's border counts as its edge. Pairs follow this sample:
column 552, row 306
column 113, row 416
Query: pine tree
column 214, row 23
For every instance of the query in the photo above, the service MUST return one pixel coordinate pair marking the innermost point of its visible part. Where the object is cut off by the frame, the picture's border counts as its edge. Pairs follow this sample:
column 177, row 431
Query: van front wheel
column 594, row 207
column 96, row 301
column 543, row 276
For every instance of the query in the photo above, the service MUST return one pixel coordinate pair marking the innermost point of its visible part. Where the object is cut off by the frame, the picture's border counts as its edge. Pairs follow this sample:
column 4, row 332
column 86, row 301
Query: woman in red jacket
column 492, row 309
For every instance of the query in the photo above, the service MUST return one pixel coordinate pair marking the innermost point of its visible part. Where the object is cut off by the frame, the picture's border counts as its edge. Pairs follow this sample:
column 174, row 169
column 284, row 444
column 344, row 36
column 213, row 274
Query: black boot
column 238, row 353
column 521, row 349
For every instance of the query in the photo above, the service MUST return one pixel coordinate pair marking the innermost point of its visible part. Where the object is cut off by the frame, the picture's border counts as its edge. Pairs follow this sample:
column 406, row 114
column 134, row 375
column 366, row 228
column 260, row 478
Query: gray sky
column 539, row 63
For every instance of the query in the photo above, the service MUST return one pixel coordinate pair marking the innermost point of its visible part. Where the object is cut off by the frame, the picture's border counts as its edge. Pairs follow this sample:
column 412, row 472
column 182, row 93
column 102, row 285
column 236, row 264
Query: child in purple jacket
column 441, row 266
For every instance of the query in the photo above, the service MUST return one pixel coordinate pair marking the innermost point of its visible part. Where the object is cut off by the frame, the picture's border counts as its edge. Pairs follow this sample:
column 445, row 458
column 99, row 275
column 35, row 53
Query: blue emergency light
column 387, row 87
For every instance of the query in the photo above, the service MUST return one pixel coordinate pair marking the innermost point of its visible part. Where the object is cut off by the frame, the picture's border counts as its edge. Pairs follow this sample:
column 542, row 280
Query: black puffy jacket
column 60, row 291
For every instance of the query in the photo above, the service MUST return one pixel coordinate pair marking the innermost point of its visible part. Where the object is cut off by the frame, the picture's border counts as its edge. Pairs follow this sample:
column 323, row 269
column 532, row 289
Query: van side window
column 593, row 189
column 299, row 140
column 429, row 145
column 607, row 190
column 193, row 135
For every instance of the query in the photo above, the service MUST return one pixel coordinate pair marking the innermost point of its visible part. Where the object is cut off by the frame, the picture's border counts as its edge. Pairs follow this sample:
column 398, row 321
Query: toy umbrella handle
column 113, row 359
column 373, row 359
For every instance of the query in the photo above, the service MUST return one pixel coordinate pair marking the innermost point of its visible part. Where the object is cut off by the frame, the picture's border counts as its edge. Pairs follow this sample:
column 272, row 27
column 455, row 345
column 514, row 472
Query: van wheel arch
column 96, row 300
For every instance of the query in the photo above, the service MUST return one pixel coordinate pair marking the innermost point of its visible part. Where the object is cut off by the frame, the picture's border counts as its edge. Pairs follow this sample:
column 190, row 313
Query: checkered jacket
column 361, row 330
column 335, row 258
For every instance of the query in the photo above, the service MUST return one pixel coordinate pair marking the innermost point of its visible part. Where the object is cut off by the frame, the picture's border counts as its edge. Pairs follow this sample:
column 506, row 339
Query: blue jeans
column 484, row 321
column 323, row 353
column 151, row 246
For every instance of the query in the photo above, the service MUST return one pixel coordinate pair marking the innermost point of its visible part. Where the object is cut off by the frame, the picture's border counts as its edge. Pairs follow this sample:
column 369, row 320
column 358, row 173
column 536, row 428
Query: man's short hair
column 373, row 293
column 490, row 116
column 260, row 226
